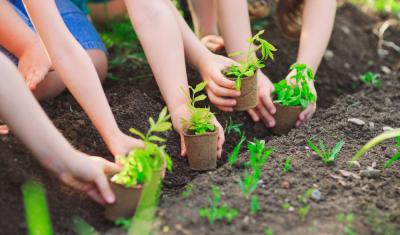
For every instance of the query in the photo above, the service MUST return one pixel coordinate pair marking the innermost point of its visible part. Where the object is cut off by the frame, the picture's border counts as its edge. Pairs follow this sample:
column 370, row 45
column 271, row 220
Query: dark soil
column 133, row 100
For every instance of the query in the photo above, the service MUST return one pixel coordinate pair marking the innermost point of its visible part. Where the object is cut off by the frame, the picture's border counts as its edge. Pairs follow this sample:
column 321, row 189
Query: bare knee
column 100, row 62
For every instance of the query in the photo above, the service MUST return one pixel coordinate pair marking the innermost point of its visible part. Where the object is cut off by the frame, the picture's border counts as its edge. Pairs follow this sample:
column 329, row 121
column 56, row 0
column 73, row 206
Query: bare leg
column 52, row 85
column 204, row 17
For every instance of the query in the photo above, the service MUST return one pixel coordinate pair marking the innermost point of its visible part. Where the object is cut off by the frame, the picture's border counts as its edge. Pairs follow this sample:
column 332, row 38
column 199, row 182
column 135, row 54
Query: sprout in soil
column 249, row 67
column 288, row 165
column 138, row 165
column 233, row 127
column 216, row 211
column 201, row 120
column 254, row 205
column 377, row 140
column 371, row 79
column 235, row 153
column 327, row 155
column 347, row 221
column 297, row 93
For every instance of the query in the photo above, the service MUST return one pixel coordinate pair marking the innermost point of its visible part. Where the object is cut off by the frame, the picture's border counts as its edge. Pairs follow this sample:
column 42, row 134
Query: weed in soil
column 329, row 155
column 371, row 79
column 287, row 165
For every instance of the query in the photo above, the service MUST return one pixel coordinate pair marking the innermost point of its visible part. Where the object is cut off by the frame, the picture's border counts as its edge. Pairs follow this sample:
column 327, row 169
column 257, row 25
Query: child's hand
column 265, row 107
column 310, row 110
column 87, row 174
column 4, row 130
column 221, row 91
column 182, row 112
column 34, row 65
column 121, row 144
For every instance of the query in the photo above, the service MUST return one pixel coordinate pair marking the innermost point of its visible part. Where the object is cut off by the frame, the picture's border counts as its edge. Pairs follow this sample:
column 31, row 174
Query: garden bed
column 133, row 100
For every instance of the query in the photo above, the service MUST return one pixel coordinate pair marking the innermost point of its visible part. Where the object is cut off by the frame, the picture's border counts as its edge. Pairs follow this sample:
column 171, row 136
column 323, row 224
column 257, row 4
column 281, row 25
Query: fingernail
column 110, row 199
column 273, row 110
column 272, row 123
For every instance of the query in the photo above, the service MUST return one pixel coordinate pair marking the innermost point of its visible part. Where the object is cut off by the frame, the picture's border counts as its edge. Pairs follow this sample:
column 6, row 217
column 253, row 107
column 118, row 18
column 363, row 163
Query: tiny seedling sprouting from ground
column 233, row 127
column 377, row 140
column 235, row 153
column 288, row 165
column 188, row 190
column 254, row 205
column 303, row 211
column 286, row 206
column 304, row 200
column 371, row 79
column 327, row 155
column 216, row 211
column 268, row 231
column 347, row 221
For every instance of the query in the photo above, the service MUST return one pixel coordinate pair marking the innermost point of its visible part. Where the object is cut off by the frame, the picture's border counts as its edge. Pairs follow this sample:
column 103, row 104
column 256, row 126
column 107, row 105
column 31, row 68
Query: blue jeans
column 75, row 20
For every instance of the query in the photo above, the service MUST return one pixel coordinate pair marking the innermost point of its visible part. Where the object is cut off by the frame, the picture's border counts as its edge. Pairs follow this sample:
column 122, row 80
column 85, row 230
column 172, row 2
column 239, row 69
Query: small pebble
column 356, row 121
column 328, row 55
column 349, row 174
column 386, row 70
column 316, row 195
column 371, row 125
column 291, row 209
column 387, row 128
column 285, row 185
column 370, row 172
column 346, row 30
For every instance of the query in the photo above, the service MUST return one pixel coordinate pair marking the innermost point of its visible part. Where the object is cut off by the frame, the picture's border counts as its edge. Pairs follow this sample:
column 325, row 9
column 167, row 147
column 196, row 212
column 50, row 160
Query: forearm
column 317, row 25
column 15, row 35
column 161, row 40
column 73, row 64
column 34, row 130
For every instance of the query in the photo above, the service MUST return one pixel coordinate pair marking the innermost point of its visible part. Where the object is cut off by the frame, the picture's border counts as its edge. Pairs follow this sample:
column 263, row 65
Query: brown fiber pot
column 127, row 199
column 248, row 94
column 285, row 118
column 202, row 150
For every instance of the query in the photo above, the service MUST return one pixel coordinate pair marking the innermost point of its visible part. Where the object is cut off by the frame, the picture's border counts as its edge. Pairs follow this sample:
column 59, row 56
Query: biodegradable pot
column 202, row 150
column 248, row 93
column 126, row 201
column 285, row 118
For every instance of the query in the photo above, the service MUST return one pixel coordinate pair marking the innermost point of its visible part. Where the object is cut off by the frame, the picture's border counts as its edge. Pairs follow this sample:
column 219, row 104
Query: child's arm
column 22, row 42
column 78, row 73
column 52, row 150
column 317, row 25
column 160, row 36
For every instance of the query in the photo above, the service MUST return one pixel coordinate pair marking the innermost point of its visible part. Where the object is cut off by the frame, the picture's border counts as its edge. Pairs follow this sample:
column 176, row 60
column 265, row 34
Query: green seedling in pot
column 371, row 79
column 216, row 211
column 201, row 119
column 288, row 165
column 327, row 155
column 298, row 92
column 138, row 165
column 249, row 67
column 379, row 139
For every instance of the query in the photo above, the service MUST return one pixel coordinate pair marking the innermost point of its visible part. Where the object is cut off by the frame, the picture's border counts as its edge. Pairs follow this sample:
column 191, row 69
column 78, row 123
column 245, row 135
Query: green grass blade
column 392, row 160
column 337, row 148
column 36, row 209
column 315, row 148
column 377, row 140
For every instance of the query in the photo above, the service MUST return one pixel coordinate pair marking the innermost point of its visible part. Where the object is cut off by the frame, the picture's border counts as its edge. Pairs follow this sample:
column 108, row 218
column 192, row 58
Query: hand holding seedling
column 34, row 65
column 86, row 174
column 221, row 91
column 265, row 107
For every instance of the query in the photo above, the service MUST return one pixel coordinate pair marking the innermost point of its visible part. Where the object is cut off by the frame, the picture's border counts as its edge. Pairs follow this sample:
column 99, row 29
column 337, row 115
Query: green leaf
column 200, row 87
column 392, row 160
column 337, row 148
column 315, row 148
column 136, row 132
column 154, row 138
column 200, row 98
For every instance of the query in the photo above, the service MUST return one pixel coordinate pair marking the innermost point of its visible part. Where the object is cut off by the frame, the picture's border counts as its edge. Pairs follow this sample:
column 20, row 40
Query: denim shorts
column 75, row 20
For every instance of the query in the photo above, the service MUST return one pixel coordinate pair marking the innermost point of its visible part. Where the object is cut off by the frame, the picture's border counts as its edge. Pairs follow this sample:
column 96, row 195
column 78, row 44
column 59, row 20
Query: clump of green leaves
column 371, row 79
column 139, row 164
column 216, row 211
column 377, row 140
column 233, row 127
column 249, row 67
column 287, row 165
column 201, row 119
column 347, row 221
column 298, row 92
column 327, row 155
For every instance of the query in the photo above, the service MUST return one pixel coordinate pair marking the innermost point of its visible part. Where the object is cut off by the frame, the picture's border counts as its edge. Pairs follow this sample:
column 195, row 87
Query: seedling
column 371, row 79
column 249, row 183
column 235, row 153
column 249, row 67
column 288, row 165
column 201, row 119
column 139, row 164
column 258, row 154
column 306, row 207
column 299, row 92
column 327, row 155
column 215, row 211
column 188, row 190
column 377, row 140
column 254, row 205
column 233, row 127
column 268, row 231
column 286, row 206
column 303, row 211
column 347, row 221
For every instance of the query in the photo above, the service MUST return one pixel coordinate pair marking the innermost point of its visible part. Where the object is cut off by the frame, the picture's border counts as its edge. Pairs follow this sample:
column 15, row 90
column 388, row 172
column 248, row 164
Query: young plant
column 327, row 155
column 371, row 79
column 347, row 220
column 258, row 154
column 139, row 164
column 249, row 183
column 304, row 200
column 249, row 67
column 288, row 165
column 233, row 127
column 254, row 205
column 377, row 140
column 303, row 211
column 299, row 92
column 188, row 190
column 215, row 211
column 235, row 153
column 201, row 120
